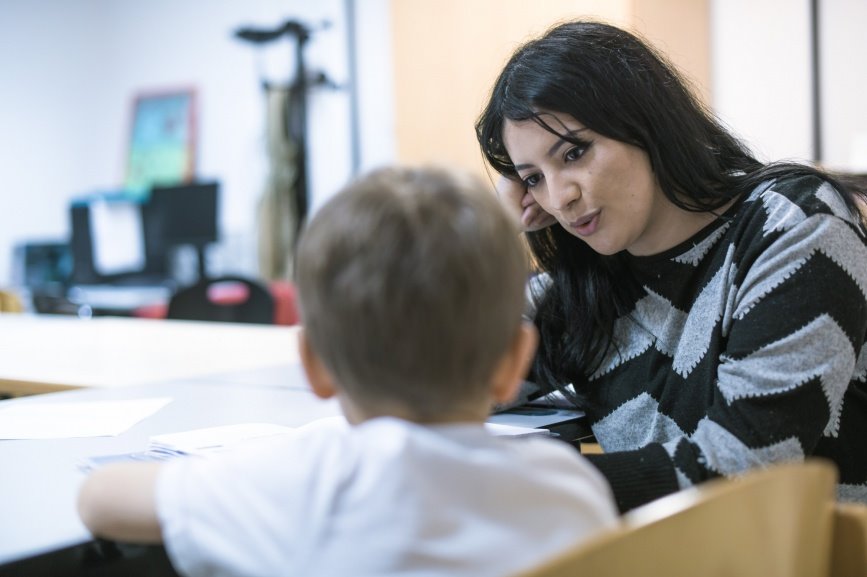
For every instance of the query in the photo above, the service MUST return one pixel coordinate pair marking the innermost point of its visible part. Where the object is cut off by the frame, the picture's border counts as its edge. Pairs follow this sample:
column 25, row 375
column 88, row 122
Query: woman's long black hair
column 618, row 86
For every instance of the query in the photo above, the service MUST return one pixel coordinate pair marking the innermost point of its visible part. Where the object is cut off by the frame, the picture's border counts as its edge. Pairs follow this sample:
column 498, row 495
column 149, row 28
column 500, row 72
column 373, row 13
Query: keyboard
column 119, row 297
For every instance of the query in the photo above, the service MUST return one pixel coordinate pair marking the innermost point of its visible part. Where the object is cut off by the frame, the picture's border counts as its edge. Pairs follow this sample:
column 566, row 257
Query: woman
column 706, row 310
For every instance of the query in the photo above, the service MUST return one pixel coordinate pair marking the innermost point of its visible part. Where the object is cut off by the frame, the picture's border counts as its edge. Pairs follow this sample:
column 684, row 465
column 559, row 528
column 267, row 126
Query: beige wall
column 447, row 54
column 681, row 29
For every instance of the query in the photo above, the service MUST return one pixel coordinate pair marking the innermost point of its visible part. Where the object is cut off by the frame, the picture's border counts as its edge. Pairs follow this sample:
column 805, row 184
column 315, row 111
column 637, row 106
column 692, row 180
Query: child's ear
column 319, row 377
column 513, row 367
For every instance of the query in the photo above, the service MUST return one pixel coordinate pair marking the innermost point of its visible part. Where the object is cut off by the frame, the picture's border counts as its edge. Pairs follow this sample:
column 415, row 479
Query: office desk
column 41, row 478
column 46, row 353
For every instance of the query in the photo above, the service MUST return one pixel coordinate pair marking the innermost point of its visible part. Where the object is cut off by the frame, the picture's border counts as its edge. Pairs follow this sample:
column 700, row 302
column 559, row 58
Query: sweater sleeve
column 793, row 327
column 768, row 361
column 794, row 333
column 637, row 477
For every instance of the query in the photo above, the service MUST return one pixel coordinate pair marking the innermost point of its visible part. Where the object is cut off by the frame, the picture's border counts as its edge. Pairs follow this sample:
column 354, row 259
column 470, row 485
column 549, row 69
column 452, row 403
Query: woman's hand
column 513, row 194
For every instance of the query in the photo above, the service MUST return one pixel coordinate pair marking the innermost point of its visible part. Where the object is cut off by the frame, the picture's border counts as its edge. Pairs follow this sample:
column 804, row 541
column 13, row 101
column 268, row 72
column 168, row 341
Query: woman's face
column 603, row 191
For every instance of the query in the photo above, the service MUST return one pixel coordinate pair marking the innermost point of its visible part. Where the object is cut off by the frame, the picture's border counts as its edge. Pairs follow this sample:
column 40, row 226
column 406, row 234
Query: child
column 411, row 289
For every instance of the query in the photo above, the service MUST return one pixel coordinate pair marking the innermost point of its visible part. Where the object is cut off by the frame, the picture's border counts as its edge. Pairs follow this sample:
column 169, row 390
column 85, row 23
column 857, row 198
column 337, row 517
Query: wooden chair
column 767, row 523
column 849, row 548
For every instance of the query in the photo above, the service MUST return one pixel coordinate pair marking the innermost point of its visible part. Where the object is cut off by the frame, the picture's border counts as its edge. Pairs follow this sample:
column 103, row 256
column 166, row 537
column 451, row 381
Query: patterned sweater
column 746, row 348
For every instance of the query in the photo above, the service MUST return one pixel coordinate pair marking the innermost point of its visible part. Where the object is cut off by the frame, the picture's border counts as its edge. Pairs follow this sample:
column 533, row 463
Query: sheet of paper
column 196, row 442
column 199, row 440
column 218, row 437
column 514, row 431
column 118, row 237
column 28, row 420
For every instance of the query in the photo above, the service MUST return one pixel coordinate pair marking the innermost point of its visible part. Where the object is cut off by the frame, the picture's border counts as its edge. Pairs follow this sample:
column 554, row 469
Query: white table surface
column 45, row 353
column 240, row 374
column 40, row 478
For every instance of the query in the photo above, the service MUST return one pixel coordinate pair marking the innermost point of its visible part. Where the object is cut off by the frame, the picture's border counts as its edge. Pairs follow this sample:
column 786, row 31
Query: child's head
column 411, row 288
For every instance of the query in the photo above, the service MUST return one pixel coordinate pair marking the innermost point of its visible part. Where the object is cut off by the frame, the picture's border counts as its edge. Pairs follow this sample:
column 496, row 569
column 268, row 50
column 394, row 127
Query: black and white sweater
column 746, row 348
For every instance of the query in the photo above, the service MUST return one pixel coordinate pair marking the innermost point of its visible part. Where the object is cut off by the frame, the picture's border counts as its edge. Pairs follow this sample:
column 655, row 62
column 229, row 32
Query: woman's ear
column 513, row 367
column 319, row 377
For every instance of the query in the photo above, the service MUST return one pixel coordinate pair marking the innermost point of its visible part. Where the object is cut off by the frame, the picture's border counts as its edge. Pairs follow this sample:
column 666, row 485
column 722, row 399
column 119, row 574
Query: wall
column 844, row 83
column 761, row 74
column 681, row 29
column 448, row 53
column 70, row 68
column 749, row 60
column 762, row 77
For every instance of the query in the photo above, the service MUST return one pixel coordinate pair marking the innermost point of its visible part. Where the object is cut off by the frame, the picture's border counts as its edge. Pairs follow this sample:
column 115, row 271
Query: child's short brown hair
column 411, row 288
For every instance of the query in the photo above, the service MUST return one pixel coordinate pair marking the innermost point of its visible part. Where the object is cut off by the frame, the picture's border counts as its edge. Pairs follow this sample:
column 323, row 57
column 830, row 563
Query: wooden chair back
column 775, row 522
column 849, row 548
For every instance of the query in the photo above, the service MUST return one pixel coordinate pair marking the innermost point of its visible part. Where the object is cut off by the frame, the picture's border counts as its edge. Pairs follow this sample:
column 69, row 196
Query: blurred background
column 282, row 101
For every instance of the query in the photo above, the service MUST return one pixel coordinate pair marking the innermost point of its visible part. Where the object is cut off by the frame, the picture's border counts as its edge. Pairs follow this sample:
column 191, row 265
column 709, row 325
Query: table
column 40, row 532
column 46, row 353
column 41, row 478
column 216, row 374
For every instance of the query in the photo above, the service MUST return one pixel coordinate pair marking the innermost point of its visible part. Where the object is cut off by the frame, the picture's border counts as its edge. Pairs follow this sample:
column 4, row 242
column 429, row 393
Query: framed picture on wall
column 162, row 148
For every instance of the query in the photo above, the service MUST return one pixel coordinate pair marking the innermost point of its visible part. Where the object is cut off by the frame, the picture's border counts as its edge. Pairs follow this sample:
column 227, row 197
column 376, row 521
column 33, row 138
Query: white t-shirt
column 386, row 497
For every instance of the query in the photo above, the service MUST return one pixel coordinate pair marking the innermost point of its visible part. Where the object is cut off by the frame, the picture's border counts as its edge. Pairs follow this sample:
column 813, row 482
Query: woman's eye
column 576, row 152
column 531, row 180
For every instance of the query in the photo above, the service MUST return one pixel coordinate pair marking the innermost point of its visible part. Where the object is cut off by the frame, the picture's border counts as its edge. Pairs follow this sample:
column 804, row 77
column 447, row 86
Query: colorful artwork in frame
column 162, row 140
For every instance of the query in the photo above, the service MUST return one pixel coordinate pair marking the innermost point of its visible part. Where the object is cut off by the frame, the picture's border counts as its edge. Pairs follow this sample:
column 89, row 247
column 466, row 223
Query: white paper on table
column 30, row 420
column 502, row 430
column 118, row 237
column 214, row 438
column 196, row 442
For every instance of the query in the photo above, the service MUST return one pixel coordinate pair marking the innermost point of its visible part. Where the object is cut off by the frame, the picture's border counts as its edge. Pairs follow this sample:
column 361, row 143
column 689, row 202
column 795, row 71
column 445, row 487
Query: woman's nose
column 563, row 193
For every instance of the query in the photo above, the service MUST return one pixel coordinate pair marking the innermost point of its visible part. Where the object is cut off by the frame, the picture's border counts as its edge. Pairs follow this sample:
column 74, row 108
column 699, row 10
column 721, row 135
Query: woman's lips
column 587, row 224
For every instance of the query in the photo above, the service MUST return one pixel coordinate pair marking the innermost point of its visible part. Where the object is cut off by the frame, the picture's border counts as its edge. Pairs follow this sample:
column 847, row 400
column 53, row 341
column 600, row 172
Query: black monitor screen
column 173, row 216
column 185, row 214
column 43, row 264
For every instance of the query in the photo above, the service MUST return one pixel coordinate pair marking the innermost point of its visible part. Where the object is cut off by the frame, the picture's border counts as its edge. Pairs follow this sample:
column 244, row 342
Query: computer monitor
column 43, row 265
column 182, row 215
column 172, row 216
column 101, row 255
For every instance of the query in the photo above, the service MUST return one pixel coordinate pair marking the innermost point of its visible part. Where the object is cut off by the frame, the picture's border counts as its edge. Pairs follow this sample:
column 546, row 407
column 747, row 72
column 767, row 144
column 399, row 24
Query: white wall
column 761, row 78
column 844, row 83
column 70, row 68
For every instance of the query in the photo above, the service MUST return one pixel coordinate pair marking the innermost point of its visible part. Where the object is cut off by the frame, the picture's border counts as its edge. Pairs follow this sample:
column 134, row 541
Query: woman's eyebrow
column 564, row 138
column 560, row 141
column 554, row 148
